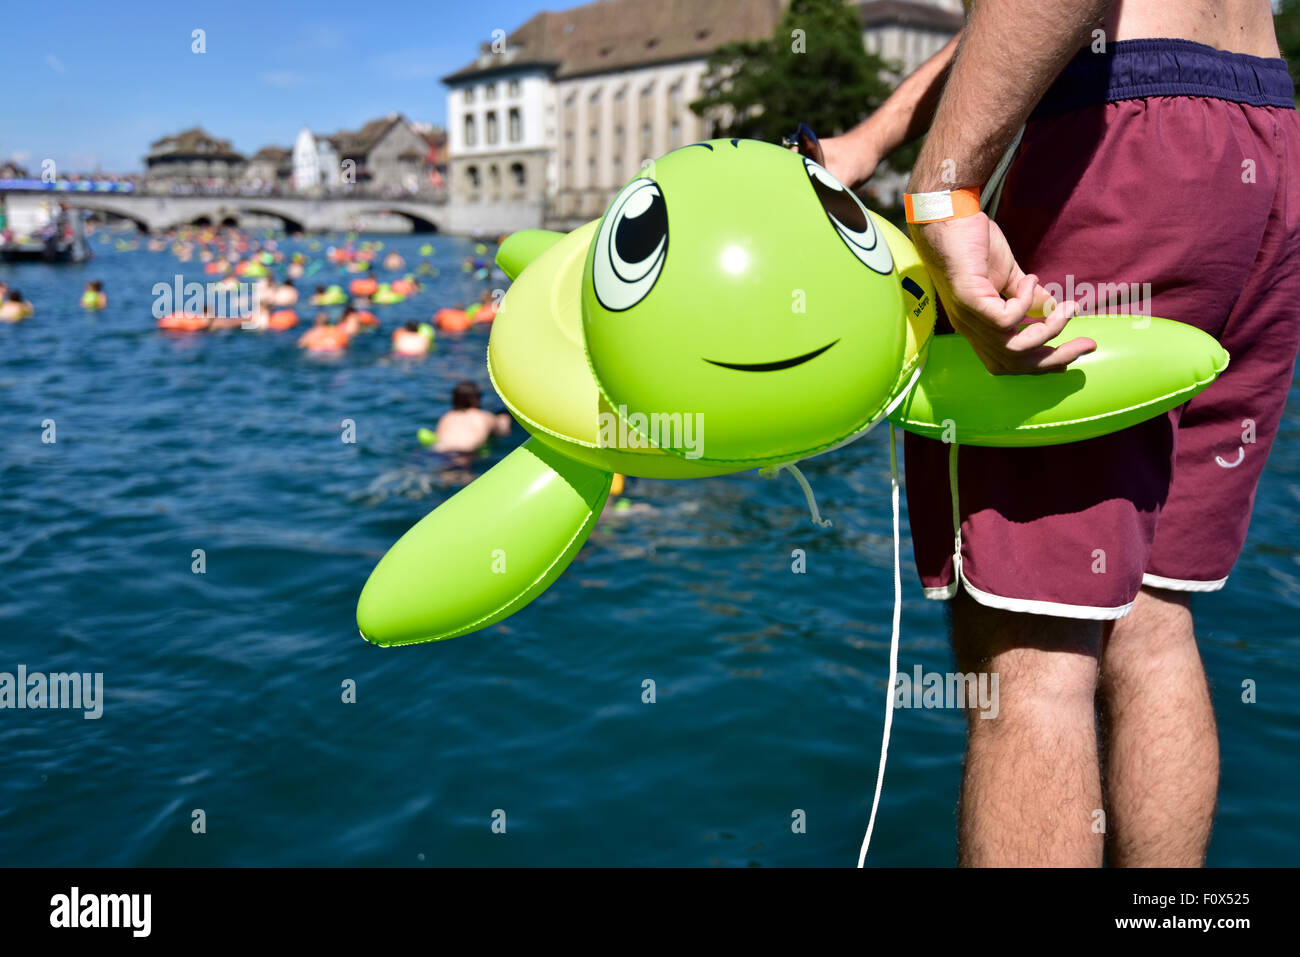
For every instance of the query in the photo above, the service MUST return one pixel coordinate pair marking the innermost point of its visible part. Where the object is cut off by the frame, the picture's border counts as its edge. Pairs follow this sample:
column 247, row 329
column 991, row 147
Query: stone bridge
column 154, row 213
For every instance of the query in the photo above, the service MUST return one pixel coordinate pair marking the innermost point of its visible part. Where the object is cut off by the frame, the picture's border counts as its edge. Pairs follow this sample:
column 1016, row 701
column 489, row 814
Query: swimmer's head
column 412, row 326
column 465, row 395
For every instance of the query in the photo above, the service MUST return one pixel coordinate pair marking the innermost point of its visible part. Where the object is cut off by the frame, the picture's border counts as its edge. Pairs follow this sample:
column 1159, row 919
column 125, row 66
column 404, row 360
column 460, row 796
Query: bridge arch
column 291, row 225
column 108, row 209
column 419, row 223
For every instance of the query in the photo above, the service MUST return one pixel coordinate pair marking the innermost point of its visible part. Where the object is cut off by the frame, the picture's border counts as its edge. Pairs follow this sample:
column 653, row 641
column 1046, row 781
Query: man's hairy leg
column 1160, row 742
column 1031, row 785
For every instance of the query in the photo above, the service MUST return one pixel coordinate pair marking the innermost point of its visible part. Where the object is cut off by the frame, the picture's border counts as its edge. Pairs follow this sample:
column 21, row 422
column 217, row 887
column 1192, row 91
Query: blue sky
column 95, row 83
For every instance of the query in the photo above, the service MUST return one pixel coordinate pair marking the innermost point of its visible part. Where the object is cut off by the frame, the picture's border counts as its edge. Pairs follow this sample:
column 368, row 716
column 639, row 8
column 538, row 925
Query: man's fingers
column 1006, row 314
column 1038, row 332
column 1046, row 359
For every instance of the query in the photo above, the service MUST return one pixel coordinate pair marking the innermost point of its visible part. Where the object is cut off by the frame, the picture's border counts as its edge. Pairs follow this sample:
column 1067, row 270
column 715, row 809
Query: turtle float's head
column 741, row 288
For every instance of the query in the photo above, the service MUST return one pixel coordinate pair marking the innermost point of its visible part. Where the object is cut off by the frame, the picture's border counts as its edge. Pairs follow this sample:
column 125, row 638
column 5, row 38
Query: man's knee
column 1154, row 643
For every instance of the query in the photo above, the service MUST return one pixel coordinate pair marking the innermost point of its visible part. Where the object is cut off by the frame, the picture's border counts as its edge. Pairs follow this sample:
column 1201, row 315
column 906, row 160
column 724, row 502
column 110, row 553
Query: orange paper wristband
column 943, row 205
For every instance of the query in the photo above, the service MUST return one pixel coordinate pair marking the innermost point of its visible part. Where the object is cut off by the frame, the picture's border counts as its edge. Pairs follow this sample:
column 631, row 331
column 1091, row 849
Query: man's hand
column 973, row 269
column 851, row 158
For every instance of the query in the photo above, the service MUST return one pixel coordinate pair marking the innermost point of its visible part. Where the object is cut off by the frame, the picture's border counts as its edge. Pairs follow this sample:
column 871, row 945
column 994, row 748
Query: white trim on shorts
column 1028, row 605
column 1181, row 584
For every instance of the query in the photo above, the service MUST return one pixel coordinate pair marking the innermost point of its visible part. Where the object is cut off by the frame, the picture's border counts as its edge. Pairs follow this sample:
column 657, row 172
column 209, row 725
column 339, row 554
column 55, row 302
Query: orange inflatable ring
column 183, row 322
column 485, row 313
column 328, row 339
column 363, row 287
column 366, row 318
column 452, row 320
column 282, row 319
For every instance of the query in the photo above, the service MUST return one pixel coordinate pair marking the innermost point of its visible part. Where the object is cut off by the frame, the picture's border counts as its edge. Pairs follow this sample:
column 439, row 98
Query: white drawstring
column 807, row 494
column 893, row 650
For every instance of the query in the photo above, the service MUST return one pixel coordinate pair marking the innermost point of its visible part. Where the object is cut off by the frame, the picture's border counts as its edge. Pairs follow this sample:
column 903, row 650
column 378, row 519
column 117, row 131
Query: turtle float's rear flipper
column 486, row 552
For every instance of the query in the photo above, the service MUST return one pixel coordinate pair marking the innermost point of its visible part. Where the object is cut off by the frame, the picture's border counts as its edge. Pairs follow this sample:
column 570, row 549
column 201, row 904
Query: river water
column 223, row 691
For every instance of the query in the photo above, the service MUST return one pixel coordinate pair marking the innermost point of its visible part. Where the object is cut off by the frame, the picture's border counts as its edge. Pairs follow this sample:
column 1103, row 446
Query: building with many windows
column 550, row 120
column 195, row 158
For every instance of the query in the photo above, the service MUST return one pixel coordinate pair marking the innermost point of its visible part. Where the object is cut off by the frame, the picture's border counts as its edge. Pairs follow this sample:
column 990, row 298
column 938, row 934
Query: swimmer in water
column 93, row 296
column 410, row 341
column 260, row 318
column 322, row 337
column 467, row 428
column 15, row 308
column 393, row 262
column 350, row 321
column 286, row 295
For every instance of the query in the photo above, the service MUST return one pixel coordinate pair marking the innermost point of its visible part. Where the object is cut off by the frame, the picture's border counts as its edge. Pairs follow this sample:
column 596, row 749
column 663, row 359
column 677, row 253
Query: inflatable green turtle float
column 736, row 307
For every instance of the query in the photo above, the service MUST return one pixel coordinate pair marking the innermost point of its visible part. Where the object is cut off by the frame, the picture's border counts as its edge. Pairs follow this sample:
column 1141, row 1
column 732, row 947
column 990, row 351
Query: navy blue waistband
column 1131, row 69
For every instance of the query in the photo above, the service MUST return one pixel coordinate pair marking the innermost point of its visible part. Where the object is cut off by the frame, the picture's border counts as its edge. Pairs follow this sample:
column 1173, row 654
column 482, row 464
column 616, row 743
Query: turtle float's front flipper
column 487, row 551
column 521, row 248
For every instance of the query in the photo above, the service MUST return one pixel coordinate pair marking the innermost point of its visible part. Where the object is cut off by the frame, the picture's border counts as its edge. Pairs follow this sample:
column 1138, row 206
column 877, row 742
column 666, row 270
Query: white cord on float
column 808, row 496
column 893, row 650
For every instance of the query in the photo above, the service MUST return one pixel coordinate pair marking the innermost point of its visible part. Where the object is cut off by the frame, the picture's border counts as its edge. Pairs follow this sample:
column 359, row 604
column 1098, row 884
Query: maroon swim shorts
column 1166, row 166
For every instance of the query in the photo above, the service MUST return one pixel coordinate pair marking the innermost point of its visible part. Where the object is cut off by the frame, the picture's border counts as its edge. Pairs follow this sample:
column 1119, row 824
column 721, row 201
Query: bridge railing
column 428, row 194
column 73, row 188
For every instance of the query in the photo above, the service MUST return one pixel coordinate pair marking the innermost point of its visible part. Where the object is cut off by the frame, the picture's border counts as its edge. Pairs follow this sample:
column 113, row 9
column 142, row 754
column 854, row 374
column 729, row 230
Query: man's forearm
column 910, row 108
column 1009, row 54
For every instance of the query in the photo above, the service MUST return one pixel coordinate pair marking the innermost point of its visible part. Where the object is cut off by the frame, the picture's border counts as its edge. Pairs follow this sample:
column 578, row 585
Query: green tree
column 814, row 69
column 1287, row 22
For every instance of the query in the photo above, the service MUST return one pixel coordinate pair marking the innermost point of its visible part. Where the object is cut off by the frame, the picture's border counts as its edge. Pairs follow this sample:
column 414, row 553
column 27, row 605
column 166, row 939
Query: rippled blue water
column 223, row 690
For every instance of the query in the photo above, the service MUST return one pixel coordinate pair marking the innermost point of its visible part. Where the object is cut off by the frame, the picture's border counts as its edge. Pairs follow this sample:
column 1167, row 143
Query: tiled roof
column 620, row 34
column 909, row 13
column 194, row 141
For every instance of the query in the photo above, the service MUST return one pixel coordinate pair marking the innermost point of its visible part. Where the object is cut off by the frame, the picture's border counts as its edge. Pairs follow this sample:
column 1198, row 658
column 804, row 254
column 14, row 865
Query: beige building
column 550, row 120
column 193, row 158
column 907, row 34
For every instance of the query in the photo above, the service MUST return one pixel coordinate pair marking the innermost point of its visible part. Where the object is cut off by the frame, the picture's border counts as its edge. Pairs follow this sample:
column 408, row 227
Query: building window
column 675, row 134
column 675, row 96
column 512, row 88
column 472, row 173
column 516, row 125
column 517, row 171
column 490, row 91
column 471, row 136
column 494, row 178
column 620, row 140
column 468, row 93
column 647, row 90
column 646, row 139
column 492, row 131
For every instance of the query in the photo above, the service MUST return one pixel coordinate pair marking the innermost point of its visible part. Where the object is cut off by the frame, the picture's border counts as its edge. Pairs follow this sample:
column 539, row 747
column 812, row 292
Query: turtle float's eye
column 631, row 246
column 851, row 220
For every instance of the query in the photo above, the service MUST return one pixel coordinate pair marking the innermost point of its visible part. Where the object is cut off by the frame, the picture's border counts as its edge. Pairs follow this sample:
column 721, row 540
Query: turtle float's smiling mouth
column 772, row 366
